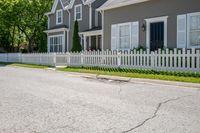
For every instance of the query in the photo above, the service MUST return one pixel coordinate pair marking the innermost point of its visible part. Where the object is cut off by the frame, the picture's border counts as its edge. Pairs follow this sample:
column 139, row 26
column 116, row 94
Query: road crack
column 155, row 113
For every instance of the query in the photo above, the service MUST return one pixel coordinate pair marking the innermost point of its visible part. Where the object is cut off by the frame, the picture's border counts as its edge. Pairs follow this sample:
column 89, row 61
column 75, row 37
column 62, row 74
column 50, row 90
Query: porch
column 91, row 39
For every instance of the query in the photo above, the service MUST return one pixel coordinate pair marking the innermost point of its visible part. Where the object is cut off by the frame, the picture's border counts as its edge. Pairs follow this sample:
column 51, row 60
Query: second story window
column 59, row 16
column 78, row 12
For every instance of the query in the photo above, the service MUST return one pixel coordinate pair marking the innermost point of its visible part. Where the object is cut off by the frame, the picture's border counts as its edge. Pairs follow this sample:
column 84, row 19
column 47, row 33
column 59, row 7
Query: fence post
column 68, row 59
column 82, row 59
column 7, row 57
column 54, row 59
column 20, row 57
column 40, row 59
column 152, row 60
column 118, row 59
column 193, row 59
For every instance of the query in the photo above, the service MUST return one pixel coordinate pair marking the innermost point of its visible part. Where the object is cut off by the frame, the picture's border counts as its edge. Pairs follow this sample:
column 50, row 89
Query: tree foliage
column 76, row 39
column 23, row 22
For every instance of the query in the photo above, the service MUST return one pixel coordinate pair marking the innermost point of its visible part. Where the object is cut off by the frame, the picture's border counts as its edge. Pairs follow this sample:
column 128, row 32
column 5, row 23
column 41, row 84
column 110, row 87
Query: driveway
column 45, row 101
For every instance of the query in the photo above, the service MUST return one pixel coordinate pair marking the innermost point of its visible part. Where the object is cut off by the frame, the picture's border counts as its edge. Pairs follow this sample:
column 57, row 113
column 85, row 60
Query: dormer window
column 59, row 16
column 78, row 12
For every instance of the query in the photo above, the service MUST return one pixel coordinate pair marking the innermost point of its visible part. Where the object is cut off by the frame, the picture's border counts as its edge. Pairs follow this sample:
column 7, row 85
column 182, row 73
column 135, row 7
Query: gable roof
column 71, row 3
column 110, row 4
column 67, row 4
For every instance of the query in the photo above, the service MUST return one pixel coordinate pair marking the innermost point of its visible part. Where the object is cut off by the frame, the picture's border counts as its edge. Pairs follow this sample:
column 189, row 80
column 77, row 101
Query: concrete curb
column 137, row 80
column 131, row 80
column 115, row 78
column 174, row 83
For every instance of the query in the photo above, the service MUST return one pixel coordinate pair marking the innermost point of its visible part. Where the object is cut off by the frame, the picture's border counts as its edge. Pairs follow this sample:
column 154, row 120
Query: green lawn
column 25, row 65
column 134, row 75
column 122, row 73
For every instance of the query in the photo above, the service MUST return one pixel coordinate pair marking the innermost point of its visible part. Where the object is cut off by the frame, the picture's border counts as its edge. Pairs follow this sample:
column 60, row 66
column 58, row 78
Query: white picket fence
column 161, row 60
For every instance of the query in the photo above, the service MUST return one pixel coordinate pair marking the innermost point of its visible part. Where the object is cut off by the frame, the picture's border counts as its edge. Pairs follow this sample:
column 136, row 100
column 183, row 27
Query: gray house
column 124, row 24
column 153, row 24
column 61, row 20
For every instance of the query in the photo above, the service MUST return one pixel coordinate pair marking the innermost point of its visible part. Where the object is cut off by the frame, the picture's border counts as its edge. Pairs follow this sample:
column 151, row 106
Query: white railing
column 161, row 60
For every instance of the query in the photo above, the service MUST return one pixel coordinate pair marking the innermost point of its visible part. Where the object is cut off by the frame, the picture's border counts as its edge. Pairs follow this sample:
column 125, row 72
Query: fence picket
column 177, row 60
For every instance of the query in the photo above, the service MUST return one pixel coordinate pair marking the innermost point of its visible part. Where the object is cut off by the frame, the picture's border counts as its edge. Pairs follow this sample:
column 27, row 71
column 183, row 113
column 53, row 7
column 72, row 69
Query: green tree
column 76, row 39
column 32, row 19
column 23, row 20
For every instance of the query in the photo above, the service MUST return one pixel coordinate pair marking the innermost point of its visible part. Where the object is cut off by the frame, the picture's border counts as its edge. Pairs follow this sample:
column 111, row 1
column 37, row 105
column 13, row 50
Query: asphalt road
column 45, row 101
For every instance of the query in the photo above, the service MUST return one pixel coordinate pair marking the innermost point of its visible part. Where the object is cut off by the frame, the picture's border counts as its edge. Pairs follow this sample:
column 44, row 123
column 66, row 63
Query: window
column 59, row 16
column 78, row 12
column 194, row 29
column 56, row 43
column 124, row 37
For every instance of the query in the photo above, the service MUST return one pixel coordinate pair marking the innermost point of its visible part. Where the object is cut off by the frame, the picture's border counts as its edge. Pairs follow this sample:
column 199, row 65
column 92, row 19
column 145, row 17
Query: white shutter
column 134, row 35
column 181, row 31
column 114, row 32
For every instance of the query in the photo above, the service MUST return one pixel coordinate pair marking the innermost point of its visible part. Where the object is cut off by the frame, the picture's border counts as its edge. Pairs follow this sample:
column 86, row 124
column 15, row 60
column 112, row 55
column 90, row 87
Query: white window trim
column 57, row 16
column 117, row 36
column 124, row 24
column 76, row 6
column 188, row 29
column 154, row 20
column 59, row 35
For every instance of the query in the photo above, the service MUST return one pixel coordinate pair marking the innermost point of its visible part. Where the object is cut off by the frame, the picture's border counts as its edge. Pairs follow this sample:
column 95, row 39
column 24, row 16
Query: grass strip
column 134, row 75
column 116, row 72
column 25, row 65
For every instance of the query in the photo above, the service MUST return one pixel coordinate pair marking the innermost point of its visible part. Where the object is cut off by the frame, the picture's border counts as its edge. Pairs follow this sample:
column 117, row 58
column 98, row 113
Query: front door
column 156, row 36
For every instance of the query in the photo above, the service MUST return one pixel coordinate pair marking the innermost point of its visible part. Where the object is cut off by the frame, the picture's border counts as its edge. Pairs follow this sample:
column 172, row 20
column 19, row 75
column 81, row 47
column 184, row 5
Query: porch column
column 68, row 41
column 64, row 43
column 85, row 42
column 97, row 42
column 90, row 43
column 81, row 37
column 48, row 42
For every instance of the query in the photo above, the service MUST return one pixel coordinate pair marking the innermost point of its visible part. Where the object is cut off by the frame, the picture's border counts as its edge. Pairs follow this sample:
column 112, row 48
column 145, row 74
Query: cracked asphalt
column 45, row 101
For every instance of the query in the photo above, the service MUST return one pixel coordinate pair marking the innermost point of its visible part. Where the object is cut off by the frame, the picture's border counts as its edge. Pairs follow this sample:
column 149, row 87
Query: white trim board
column 87, row 2
column 53, row 9
column 92, row 33
column 116, row 4
column 56, row 35
column 68, row 7
column 56, row 30
column 154, row 20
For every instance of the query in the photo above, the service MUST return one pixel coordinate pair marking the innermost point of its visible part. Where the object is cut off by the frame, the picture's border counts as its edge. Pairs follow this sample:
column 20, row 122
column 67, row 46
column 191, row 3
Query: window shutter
column 181, row 31
column 114, row 33
column 134, row 35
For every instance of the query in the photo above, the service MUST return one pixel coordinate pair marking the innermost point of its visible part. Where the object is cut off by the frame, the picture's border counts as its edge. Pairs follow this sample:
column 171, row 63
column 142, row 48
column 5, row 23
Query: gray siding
column 53, row 18
column 153, row 8
column 96, row 5
column 83, row 24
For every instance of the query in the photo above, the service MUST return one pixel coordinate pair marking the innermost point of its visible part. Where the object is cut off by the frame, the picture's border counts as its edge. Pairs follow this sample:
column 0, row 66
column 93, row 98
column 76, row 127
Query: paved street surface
column 45, row 101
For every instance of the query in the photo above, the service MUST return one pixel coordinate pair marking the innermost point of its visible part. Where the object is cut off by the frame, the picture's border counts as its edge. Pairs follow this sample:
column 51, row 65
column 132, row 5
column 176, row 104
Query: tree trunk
column 13, row 39
column 30, row 44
